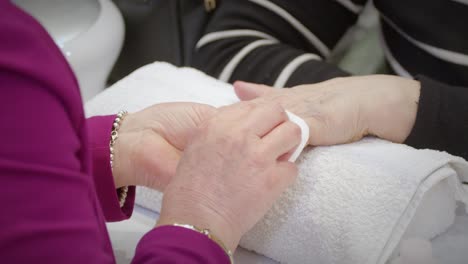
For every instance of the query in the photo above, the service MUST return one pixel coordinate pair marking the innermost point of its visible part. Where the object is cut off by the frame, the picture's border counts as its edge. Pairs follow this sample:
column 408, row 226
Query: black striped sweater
column 284, row 43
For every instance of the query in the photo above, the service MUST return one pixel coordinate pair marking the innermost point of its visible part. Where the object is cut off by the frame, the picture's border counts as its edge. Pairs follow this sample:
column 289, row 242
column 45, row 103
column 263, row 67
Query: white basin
column 90, row 34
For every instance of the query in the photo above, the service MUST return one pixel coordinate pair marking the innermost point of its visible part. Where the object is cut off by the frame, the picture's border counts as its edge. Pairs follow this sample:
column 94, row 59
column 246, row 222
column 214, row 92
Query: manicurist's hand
column 233, row 170
column 344, row 110
column 151, row 141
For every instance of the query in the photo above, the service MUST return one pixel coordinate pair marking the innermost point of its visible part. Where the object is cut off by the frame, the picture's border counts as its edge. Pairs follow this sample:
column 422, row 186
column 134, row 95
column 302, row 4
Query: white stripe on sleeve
column 220, row 35
column 231, row 66
column 284, row 76
column 316, row 42
column 461, row 1
column 396, row 66
column 348, row 4
column 443, row 54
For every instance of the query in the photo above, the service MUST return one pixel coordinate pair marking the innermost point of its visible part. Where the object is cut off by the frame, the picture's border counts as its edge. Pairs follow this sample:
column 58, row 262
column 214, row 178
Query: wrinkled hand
column 344, row 110
column 151, row 141
column 233, row 170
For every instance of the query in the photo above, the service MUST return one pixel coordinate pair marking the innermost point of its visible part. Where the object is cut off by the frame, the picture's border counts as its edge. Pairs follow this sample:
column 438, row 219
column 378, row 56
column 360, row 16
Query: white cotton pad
column 304, row 135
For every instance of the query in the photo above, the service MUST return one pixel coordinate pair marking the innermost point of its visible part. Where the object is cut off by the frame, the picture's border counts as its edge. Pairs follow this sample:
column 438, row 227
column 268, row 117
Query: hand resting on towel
column 151, row 142
column 221, row 171
column 344, row 110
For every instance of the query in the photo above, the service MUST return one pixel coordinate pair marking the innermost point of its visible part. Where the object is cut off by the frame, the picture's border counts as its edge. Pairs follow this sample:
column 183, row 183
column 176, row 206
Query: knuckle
column 248, row 105
column 242, row 129
column 277, row 108
column 258, row 158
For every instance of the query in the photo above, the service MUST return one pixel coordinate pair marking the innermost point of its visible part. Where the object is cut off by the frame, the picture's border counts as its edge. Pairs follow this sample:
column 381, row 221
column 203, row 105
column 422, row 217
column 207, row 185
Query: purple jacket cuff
column 171, row 244
column 99, row 130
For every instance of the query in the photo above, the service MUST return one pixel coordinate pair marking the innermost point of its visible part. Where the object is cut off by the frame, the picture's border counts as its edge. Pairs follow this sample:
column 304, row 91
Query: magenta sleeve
column 50, row 210
column 57, row 186
column 170, row 244
column 99, row 130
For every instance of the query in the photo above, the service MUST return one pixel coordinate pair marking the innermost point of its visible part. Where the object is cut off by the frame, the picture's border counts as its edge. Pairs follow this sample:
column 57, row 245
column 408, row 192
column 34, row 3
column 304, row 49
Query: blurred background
column 106, row 40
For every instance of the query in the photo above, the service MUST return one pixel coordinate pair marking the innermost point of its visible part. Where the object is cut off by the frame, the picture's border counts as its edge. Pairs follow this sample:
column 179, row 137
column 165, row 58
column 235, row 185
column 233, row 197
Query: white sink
column 90, row 34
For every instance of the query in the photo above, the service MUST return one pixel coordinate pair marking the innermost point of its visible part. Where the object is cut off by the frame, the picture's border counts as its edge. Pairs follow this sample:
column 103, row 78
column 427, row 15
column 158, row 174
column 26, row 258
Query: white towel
column 351, row 203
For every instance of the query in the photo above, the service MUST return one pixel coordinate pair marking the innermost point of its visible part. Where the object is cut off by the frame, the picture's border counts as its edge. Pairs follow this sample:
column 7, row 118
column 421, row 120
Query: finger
column 264, row 117
column 232, row 114
column 286, row 156
column 248, row 91
column 282, row 139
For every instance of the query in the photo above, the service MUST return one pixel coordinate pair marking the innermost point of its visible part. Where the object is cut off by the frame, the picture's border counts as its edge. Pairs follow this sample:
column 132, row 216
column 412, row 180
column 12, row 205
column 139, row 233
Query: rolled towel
column 351, row 203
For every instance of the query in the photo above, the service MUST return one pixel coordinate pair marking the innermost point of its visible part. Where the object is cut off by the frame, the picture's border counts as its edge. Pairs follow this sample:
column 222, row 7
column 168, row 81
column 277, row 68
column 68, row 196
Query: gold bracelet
column 114, row 136
column 208, row 233
column 123, row 192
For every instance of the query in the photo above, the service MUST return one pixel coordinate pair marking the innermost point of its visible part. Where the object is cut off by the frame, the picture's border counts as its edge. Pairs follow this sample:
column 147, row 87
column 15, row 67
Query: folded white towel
column 351, row 203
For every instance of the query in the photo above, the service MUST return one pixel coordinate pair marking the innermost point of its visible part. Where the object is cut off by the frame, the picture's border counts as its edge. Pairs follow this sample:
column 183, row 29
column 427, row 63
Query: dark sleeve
column 413, row 48
column 442, row 118
column 170, row 244
column 276, row 42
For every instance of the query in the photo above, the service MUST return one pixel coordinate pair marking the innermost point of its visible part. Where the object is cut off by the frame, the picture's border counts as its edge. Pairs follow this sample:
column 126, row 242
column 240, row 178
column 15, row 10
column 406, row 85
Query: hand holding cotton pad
column 304, row 135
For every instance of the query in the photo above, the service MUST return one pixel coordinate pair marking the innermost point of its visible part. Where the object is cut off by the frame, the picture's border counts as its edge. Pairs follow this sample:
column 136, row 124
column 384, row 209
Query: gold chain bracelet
column 208, row 233
column 123, row 191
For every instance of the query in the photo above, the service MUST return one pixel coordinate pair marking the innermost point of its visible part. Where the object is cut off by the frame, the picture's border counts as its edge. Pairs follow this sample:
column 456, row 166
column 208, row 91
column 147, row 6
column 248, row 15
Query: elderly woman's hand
column 233, row 170
column 344, row 110
column 151, row 141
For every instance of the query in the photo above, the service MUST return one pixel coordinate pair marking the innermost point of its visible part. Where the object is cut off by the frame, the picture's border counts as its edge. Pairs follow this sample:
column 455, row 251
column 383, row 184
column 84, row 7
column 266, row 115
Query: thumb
column 248, row 91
